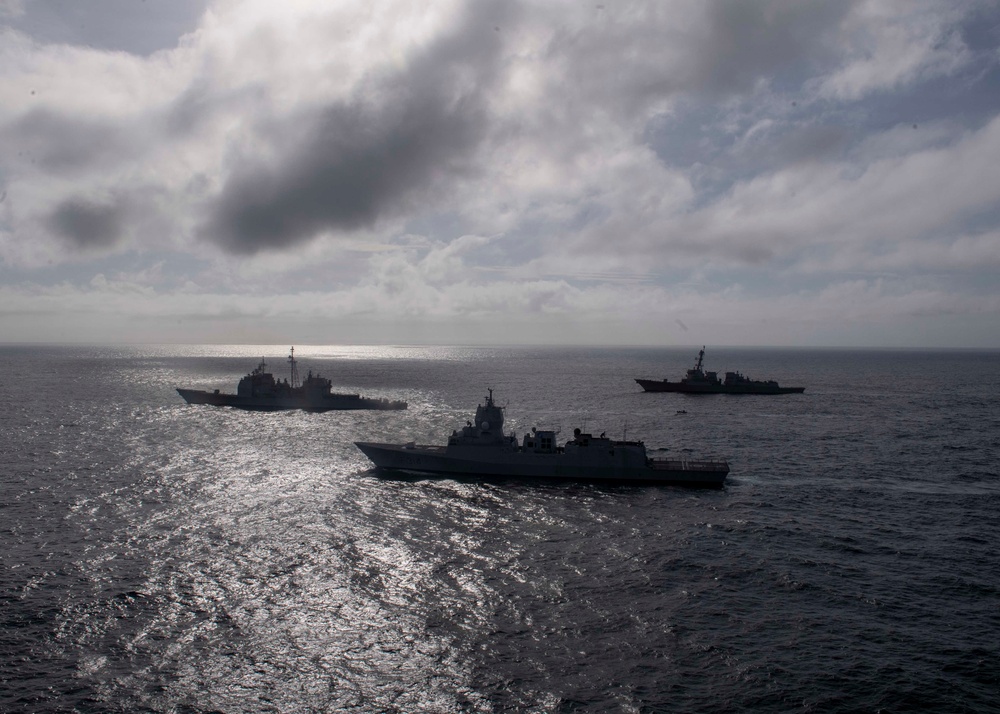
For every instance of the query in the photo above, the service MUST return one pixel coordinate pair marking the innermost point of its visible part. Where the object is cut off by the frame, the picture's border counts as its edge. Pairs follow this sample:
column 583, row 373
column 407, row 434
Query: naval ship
column 260, row 391
column 698, row 381
column 482, row 449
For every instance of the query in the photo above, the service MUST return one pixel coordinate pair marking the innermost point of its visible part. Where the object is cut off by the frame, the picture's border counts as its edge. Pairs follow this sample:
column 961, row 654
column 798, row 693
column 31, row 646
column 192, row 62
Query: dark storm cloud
column 634, row 55
column 88, row 224
column 57, row 142
column 747, row 41
column 400, row 138
column 355, row 164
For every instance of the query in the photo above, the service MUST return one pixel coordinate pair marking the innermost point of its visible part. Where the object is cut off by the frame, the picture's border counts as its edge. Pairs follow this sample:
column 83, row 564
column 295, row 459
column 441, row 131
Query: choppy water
column 164, row 557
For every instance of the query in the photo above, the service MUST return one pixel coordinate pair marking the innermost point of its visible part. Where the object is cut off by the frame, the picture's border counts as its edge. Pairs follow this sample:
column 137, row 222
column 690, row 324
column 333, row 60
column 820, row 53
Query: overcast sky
column 459, row 172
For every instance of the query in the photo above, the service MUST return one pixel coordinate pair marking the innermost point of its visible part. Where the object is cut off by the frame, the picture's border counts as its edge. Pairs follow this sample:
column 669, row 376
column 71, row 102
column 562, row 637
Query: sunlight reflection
column 275, row 351
column 283, row 577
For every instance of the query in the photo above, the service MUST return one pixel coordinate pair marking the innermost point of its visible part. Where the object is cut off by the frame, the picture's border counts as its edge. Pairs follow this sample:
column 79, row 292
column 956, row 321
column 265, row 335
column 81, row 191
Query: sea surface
column 161, row 557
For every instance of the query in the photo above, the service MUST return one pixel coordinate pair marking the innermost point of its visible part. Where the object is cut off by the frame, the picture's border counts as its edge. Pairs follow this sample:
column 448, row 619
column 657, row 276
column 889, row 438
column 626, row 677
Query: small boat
column 698, row 381
column 482, row 449
column 260, row 391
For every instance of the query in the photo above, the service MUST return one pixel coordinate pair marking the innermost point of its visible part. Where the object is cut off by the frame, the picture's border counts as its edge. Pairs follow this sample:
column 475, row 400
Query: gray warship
column 699, row 381
column 481, row 449
column 260, row 391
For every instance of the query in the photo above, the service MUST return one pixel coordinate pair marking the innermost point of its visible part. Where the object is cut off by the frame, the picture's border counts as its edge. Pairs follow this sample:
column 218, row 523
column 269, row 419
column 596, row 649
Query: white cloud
column 888, row 44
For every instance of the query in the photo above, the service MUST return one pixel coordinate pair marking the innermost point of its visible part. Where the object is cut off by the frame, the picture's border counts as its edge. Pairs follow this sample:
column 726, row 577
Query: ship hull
column 509, row 462
column 325, row 403
column 664, row 385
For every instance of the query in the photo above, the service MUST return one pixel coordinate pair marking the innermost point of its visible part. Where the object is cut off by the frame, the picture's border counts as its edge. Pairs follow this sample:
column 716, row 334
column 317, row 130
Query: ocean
column 162, row 557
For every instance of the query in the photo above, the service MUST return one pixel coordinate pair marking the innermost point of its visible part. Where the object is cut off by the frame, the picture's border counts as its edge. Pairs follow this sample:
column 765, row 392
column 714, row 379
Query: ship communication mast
column 293, row 365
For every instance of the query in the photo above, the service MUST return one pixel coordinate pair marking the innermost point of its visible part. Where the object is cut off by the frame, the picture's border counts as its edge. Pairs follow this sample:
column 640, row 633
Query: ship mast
column 294, row 369
column 701, row 356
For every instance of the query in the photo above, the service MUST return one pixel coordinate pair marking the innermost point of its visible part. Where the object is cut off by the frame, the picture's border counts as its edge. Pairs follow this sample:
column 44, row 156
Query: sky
column 719, row 172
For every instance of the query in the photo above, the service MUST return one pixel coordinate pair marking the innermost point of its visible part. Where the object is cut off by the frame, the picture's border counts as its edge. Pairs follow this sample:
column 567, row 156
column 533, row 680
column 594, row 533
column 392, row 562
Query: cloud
column 888, row 44
column 505, row 116
column 861, row 205
column 401, row 135
column 744, row 43
column 11, row 9
column 354, row 165
column 137, row 27
column 111, row 309
column 65, row 144
column 86, row 224
column 476, row 160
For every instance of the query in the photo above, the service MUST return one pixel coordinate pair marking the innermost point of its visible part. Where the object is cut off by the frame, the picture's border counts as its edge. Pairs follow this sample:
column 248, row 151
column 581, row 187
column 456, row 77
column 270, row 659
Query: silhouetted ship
column 260, row 391
column 481, row 449
column 698, row 381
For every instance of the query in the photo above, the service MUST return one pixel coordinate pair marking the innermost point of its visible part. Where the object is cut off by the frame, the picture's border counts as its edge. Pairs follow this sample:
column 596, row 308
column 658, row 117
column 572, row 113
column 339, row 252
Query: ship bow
column 379, row 454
